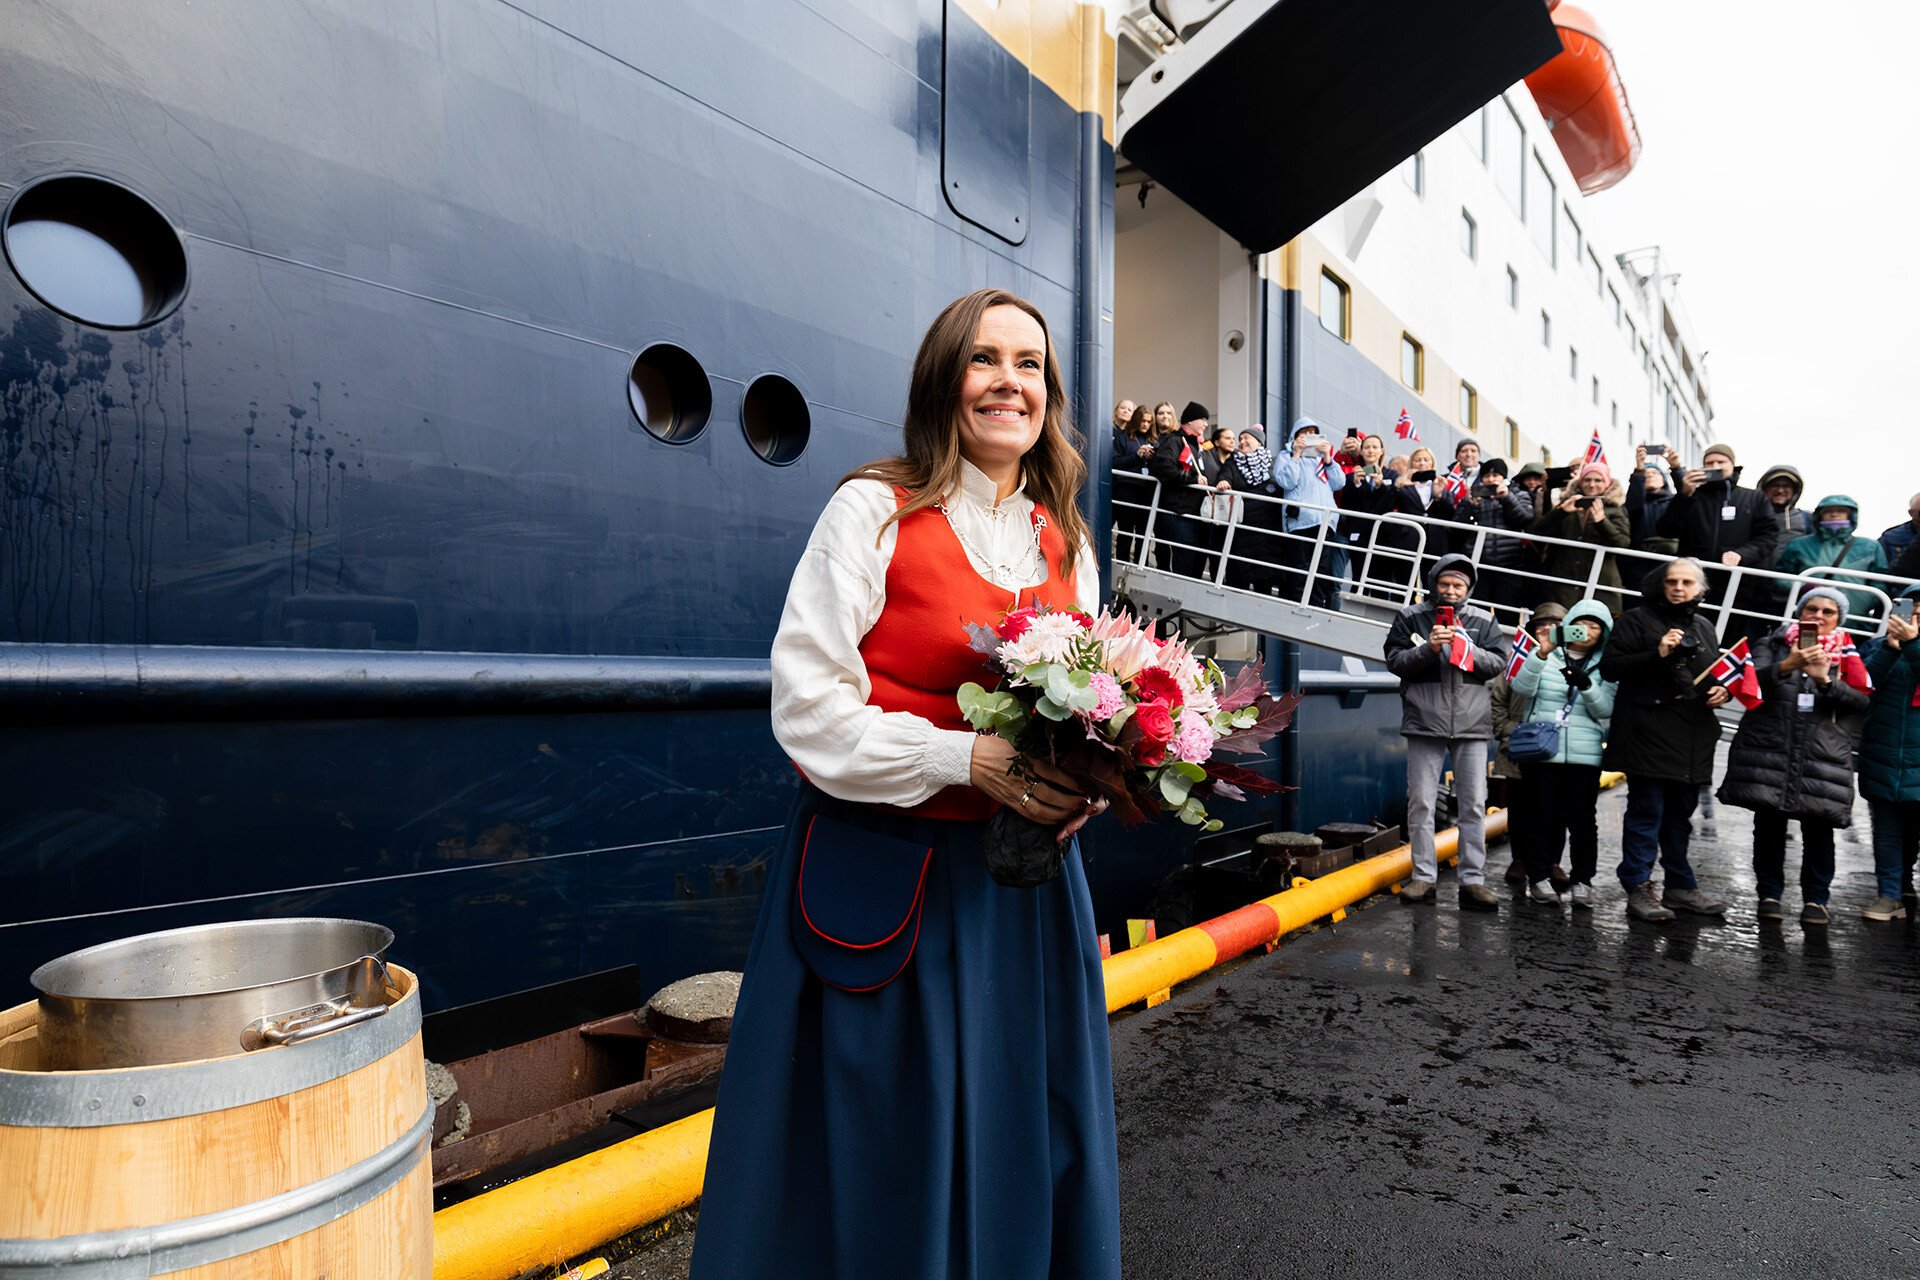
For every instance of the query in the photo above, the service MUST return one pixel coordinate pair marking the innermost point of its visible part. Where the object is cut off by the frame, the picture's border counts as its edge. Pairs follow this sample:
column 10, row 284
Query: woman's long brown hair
column 930, row 469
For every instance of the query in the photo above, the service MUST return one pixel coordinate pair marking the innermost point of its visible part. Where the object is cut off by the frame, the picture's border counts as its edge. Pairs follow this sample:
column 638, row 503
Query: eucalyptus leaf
column 1175, row 788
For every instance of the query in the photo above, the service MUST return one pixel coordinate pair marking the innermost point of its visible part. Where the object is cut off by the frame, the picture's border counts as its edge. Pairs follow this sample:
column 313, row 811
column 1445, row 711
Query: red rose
column 1014, row 624
column 1155, row 723
column 1156, row 685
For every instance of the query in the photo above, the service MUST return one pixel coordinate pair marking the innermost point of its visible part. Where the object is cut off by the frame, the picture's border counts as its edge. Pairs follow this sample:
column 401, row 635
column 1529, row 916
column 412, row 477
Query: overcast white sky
column 1779, row 175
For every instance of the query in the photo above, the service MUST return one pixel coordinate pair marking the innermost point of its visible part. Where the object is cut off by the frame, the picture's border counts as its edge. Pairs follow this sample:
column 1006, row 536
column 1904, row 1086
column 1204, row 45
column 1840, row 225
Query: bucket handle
column 294, row 1025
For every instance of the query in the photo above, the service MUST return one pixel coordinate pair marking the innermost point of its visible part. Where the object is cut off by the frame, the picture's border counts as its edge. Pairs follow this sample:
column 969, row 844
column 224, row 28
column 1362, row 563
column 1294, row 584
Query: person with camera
column 1558, row 749
column 1417, row 492
column 1310, row 477
column 1492, row 504
column 1590, row 513
column 1367, row 495
column 1663, row 735
column 1890, row 758
column 1179, row 538
column 1649, row 491
column 1447, row 653
column 1834, row 544
column 1719, row 523
column 1792, row 756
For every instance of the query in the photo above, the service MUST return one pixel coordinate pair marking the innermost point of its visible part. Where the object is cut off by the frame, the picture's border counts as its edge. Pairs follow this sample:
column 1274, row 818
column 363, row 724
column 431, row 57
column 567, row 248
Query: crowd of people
column 1583, row 688
column 1560, row 531
column 1616, row 663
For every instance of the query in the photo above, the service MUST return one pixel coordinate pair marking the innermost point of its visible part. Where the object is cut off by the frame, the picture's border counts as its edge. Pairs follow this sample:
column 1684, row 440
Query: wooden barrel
column 288, row 1163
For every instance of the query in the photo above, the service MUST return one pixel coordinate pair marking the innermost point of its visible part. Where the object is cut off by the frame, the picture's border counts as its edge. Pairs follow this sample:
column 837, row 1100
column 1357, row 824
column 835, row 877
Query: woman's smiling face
column 1003, row 397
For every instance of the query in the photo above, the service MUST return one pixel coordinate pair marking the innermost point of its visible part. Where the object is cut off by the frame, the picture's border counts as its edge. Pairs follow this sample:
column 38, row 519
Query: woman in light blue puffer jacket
column 1561, row 682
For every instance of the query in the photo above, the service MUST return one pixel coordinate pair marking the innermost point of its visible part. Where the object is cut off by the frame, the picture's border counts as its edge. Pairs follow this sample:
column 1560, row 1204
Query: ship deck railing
column 1378, row 575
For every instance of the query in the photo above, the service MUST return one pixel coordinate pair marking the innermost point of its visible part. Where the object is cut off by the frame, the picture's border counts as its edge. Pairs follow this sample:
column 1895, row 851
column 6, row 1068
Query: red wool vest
column 917, row 653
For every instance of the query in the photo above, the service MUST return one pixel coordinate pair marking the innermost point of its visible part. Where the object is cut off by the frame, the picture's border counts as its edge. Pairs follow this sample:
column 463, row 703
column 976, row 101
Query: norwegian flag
column 1853, row 668
column 1522, row 646
column 1460, row 652
column 1404, row 427
column 1455, row 485
column 1734, row 672
column 1595, row 451
column 1327, row 464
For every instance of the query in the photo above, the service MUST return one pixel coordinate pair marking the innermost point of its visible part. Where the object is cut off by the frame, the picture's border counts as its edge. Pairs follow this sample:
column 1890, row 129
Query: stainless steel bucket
column 209, row 991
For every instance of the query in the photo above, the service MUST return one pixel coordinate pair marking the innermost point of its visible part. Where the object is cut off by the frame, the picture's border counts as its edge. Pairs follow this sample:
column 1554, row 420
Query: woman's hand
column 1718, row 696
column 1818, row 664
column 1900, row 631
column 1597, row 513
column 1028, row 787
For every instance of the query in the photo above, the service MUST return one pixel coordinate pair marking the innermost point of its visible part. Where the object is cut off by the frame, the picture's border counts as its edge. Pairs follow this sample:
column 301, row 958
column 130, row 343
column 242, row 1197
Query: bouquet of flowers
column 1141, row 720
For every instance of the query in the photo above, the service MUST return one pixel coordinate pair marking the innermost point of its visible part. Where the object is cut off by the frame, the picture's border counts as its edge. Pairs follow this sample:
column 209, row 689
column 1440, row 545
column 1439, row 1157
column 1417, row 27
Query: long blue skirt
column 957, row 1122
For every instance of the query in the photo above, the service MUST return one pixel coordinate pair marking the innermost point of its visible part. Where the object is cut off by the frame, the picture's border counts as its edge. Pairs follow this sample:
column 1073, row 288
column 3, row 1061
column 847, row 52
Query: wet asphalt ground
column 1420, row 1091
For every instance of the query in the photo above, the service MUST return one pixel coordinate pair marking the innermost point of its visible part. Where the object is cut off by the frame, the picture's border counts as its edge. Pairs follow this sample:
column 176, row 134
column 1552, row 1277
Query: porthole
column 95, row 251
column 775, row 418
column 669, row 393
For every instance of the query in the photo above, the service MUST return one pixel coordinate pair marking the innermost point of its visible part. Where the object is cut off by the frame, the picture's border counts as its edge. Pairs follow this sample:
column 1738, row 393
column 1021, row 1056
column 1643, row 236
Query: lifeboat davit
column 1580, row 94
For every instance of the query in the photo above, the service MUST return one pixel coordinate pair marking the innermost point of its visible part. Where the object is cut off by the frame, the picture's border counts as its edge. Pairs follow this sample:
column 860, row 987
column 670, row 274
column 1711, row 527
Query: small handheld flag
column 1460, row 652
column 1404, row 428
column 1455, row 485
column 1523, row 645
column 1595, row 451
column 1734, row 672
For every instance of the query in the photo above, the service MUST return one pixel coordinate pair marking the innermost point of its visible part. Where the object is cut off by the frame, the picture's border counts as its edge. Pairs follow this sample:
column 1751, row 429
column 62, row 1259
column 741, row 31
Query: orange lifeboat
column 1580, row 94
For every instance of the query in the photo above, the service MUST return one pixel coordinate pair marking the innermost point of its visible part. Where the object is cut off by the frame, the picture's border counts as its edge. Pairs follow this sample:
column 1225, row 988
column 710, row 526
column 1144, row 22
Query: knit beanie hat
column 1726, row 449
column 1258, row 432
column 1493, row 467
column 1828, row 594
column 1605, row 472
column 1194, row 410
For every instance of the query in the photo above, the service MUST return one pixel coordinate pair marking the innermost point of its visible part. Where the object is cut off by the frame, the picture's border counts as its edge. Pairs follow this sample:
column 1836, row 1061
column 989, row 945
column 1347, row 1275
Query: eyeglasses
column 1820, row 613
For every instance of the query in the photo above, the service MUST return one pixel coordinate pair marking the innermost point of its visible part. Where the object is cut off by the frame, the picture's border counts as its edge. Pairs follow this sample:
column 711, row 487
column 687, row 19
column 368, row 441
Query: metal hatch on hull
column 1263, row 139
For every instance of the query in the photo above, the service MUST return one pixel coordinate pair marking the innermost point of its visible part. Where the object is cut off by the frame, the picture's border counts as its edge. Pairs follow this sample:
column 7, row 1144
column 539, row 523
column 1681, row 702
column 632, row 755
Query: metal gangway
column 1339, row 588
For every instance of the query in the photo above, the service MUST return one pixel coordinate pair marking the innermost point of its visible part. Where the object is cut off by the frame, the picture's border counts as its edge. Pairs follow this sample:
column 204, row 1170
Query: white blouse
column 821, row 718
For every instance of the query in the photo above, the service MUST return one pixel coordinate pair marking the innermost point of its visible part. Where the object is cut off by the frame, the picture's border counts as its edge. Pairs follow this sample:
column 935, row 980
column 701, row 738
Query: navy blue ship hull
column 392, row 417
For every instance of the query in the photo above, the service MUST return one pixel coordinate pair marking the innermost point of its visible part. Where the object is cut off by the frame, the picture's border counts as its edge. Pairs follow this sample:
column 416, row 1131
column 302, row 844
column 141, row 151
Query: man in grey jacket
column 1446, row 707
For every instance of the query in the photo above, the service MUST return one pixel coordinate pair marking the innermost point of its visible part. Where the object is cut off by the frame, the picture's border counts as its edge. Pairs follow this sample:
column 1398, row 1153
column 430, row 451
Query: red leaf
column 1243, row 687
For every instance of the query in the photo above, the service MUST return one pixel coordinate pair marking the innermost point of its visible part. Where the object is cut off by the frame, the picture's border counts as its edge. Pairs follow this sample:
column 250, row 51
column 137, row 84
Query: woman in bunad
column 918, row 1082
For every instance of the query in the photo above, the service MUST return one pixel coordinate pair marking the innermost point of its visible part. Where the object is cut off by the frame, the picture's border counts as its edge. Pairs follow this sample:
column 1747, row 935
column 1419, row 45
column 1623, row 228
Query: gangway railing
column 1236, row 564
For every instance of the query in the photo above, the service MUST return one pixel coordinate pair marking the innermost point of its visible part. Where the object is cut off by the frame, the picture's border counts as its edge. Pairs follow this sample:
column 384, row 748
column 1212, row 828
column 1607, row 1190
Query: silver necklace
column 1023, row 566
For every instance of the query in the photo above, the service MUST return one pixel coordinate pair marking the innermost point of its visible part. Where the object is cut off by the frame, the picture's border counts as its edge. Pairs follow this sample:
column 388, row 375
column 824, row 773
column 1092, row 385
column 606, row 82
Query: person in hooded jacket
column 1792, row 756
column 1257, row 548
column 1515, row 794
column 1890, row 761
column 1649, row 490
column 1663, row 735
column 1836, row 543
column 1562, row 684
column 1783, row 486
column 1446, row 708
column 1761, row 600
column 1591, row 512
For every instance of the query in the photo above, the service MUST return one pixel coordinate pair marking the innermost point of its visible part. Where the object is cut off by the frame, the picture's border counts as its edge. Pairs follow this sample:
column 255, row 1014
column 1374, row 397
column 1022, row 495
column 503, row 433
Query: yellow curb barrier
column 544, row 1219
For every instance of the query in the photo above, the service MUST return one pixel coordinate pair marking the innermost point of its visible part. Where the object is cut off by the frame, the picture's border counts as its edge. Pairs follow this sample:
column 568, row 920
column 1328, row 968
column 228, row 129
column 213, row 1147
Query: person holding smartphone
column 1417, row 492
column 1593, row 514
column 1447, row 653
column 1719, row 522
column 1890, row 759
column 1792, row 757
